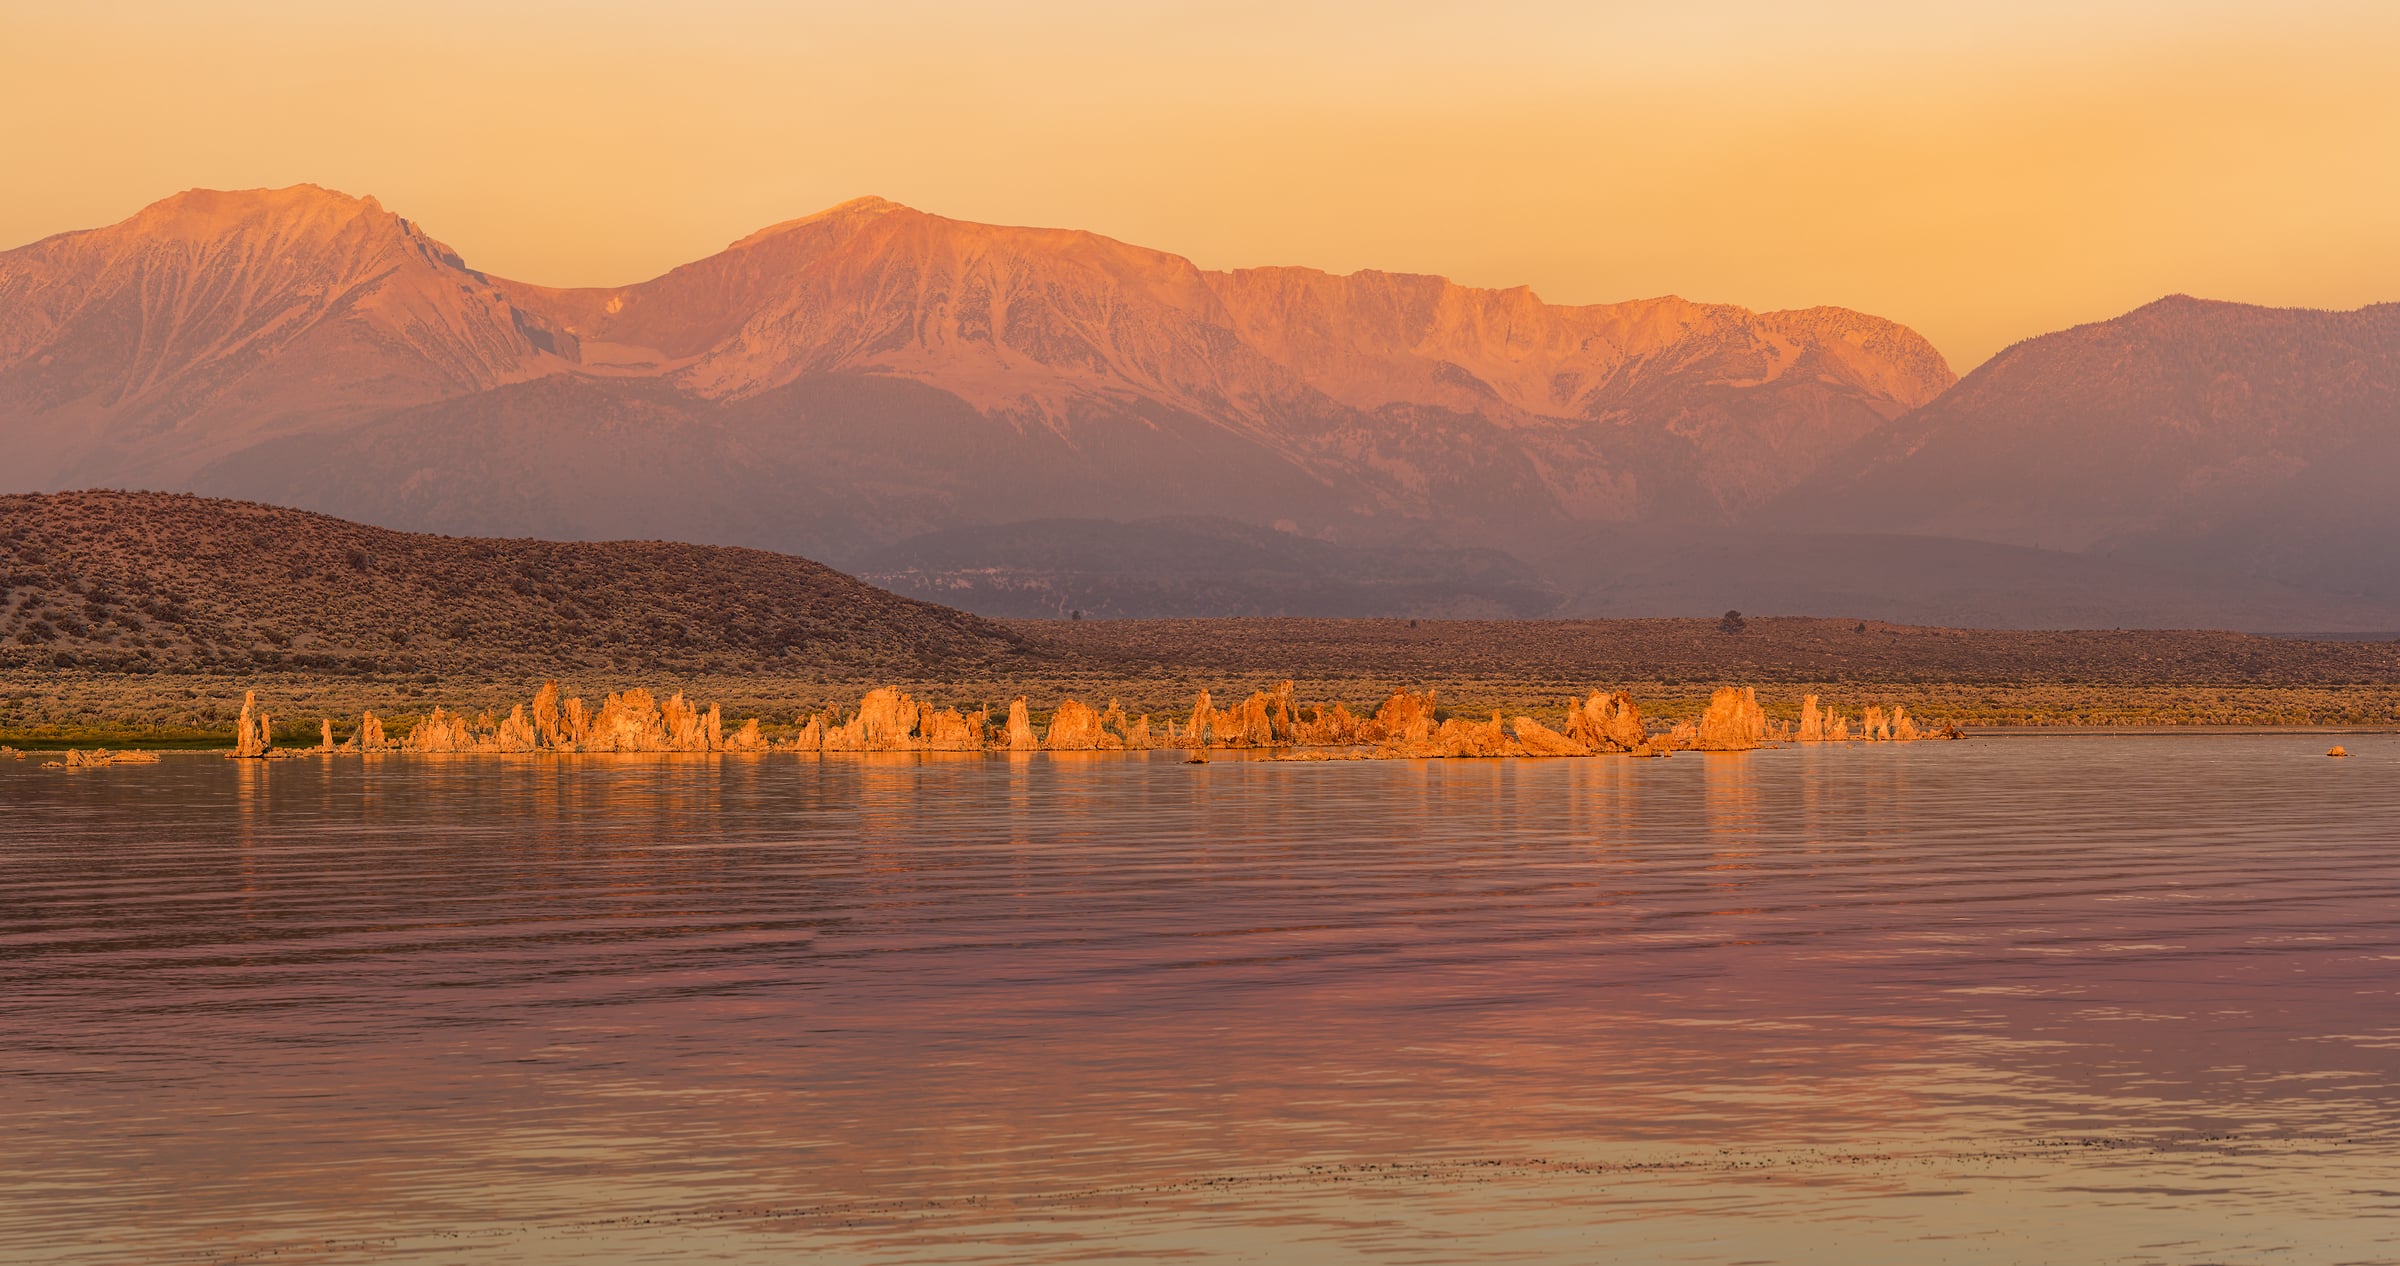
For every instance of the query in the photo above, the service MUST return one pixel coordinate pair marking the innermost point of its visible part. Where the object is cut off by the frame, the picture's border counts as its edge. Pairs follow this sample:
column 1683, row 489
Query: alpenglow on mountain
column 843, row 381
column 874, row 386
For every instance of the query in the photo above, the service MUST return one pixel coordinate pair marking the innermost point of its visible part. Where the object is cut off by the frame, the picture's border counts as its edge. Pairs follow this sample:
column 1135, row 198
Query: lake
column 2069, row 999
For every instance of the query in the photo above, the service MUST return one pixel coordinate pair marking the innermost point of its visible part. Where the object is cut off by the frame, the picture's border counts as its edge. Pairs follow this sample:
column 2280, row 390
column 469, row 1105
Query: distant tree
column 1076, row 614
column 1732, row 623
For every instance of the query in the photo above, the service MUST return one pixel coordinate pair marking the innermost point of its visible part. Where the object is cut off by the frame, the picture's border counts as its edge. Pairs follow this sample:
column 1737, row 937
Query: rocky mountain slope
column 133, row 354
column 895, row 391
column 2237, row 439
column 162, row 582
column 873, row 372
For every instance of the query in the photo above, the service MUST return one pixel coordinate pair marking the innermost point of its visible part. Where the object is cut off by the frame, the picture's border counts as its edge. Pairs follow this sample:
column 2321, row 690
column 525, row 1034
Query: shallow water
column 2059, row 999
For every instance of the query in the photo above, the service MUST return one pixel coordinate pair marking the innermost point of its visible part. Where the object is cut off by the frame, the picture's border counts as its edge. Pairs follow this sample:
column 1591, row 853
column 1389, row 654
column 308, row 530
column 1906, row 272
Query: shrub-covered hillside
column 161, row 582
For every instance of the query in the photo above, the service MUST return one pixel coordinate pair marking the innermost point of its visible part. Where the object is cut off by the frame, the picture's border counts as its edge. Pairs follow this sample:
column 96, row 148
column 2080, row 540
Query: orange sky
column 1983, row 172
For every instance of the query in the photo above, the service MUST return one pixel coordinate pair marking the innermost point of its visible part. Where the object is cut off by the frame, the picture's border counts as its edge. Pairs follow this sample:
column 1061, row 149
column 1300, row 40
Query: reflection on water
column 2033, row 1000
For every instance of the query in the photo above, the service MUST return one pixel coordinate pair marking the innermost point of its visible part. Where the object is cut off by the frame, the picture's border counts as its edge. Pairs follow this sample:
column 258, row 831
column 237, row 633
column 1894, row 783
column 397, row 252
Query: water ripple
column 2046, row 999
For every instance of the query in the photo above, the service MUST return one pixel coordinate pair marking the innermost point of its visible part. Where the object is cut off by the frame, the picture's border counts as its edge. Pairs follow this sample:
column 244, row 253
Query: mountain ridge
column 209, row 321
column 1492, row 409
column 841, row 383
column 2114, row 434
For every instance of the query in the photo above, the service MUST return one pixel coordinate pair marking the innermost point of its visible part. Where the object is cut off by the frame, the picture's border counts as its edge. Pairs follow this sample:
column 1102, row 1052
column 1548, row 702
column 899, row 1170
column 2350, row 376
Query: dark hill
column 165, row 582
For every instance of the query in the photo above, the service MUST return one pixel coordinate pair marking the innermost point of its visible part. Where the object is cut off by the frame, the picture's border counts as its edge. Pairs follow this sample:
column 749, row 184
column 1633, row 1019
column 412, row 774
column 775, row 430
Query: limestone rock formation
column 634, row 721
column 1250, row 725
column 1265, row 719
column 811, row 737
column 1329, row 727
column 887, row 721
column 688, row 729
column 1127, row 732
column 747, row 738
column 1874, row 726
column 1904, row 730
column 1819, row 724
column 1137, row 734
column 1540, row 740
column 1020, row 728
column 626, row 722
column 546, row 718
column 1812, row 722
column 1461, row 737
column 441, row 731
column 1733, row 722
column 516, row 734
column 1282, row 717
column 1403, row 719
column 252, row 740
column 99, row 757
column 1195, row 732
column 1606, row 723
column 1455, row 737
column 950, row 731
column 1076, row 728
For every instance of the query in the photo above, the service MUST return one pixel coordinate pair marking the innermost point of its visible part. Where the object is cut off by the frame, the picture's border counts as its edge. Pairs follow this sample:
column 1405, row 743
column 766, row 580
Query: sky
column 1981, row 172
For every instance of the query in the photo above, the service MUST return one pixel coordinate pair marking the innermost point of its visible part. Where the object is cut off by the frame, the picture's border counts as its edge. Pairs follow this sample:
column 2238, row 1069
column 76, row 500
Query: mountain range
column 1018, row 420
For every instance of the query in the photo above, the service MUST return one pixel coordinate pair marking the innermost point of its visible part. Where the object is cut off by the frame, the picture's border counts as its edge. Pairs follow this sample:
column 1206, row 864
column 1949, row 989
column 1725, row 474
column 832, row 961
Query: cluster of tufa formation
column 1733, row 722
column 1410, row 726
column 889, row 720
column 630, row 722
column 97, row 758
column 251, row 738
column 1406, row 725
column 634, row 721
column 1819, row 726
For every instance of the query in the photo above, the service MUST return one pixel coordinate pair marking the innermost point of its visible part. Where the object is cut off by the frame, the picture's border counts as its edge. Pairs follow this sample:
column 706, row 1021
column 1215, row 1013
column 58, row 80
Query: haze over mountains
column 2261, row 441
column 960, row 410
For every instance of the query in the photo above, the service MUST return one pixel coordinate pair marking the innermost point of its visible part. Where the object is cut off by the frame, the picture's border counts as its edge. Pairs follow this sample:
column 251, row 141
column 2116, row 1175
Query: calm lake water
column 2015, row 1000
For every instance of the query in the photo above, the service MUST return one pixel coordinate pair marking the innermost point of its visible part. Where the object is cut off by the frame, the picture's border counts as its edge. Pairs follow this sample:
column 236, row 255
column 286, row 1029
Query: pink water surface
column 2058, row 999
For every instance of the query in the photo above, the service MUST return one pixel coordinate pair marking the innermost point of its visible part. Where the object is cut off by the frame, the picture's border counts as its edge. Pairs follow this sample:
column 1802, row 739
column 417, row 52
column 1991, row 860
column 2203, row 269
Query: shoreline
column 33, row 754
column 56, row 713
column 2111, row 679
column 1275, row 721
